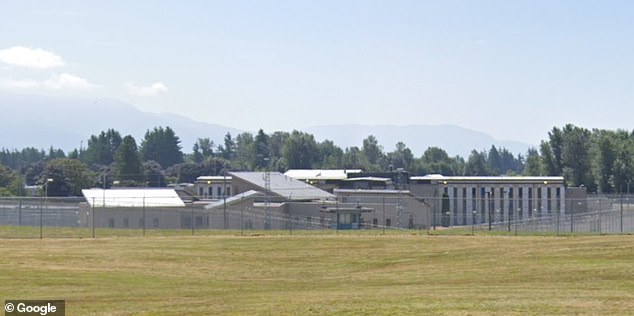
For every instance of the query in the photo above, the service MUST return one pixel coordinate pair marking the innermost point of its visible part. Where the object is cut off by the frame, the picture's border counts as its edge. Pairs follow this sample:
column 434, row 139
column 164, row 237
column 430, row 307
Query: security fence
column 49, row 217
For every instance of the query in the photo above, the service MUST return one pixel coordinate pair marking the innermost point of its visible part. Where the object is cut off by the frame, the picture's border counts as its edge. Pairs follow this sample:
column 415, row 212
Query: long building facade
column 476, row 200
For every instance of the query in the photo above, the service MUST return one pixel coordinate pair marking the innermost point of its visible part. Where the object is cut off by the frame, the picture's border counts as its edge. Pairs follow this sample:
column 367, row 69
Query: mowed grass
column 318, row 274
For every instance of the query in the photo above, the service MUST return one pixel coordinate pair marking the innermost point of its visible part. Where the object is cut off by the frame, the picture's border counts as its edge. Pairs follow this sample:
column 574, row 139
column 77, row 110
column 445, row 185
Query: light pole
column 224, row 197
column 267, row 201
column 48, row 180
column 473, row 220
column 628, row 203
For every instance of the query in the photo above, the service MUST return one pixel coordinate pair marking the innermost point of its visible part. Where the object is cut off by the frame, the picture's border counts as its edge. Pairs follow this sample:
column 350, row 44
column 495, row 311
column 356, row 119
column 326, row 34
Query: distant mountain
column 64, row 122
column 67, row 123
column 455, row 140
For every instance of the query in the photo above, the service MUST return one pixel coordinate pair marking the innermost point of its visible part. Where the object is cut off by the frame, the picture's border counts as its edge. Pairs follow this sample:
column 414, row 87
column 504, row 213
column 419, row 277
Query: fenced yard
column 74, row 218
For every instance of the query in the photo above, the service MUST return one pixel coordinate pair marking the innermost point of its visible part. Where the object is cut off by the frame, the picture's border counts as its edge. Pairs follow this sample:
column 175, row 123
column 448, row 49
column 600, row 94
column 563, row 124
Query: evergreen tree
column 533, row 165
column 372, row 150
column 228, row 150
column 261, row 148
column 162, row 146
column 102, row 148
column 127, row 161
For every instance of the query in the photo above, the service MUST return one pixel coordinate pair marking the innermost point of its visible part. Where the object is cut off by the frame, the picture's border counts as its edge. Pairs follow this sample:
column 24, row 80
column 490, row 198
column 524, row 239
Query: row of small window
column 126, row 223
column 375, row 221
column 210, row 191
column 506, row 191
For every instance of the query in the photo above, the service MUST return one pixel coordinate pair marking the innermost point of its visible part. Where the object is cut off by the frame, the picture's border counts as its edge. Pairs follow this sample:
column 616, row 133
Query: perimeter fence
column 52, row 217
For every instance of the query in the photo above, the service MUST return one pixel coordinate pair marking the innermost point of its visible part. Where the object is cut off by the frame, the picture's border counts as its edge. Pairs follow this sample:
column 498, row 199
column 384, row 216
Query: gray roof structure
column 320, row 174
column 489, row 179
column 284, row 186
column 251, row 194
column 132, row 197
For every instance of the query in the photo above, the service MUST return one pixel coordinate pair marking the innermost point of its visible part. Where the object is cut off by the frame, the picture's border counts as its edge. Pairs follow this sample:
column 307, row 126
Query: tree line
column 599, row 159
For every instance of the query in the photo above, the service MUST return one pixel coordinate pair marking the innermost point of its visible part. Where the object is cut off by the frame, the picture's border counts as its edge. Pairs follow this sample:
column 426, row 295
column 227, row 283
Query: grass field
column 313, row 274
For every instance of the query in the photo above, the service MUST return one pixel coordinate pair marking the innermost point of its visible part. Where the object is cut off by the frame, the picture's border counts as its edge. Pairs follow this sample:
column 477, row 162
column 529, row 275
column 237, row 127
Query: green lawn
column 323, row 273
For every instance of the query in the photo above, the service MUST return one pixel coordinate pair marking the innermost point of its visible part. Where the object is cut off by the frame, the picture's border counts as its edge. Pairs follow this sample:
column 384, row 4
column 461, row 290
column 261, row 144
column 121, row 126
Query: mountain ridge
column 68, row 122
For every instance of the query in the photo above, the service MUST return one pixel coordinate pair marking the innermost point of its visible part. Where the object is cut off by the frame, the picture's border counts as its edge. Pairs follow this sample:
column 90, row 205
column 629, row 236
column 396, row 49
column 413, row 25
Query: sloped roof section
column 284, row 186
column 251, row 194
column 158, row 197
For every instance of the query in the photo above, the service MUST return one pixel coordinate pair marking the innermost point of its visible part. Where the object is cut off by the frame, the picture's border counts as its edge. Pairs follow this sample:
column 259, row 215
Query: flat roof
column 213, row 178
column 372, row 191
column 488, row 179
column 375, row 179
column 133, row 197
column 320, row 174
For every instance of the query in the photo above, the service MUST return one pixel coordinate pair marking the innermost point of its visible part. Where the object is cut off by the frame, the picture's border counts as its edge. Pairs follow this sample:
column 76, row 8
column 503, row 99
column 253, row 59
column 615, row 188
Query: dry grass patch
column 325, row 274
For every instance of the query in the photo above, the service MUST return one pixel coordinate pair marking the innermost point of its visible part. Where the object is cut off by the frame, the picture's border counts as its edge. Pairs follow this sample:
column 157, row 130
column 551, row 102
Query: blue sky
column 512, row 69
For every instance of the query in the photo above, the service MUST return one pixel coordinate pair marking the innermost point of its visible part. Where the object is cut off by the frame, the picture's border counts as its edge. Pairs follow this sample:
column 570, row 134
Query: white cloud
column 20, row 84
column 68, row 81
column 64, row 81
column 30, row 58
column 148, row 91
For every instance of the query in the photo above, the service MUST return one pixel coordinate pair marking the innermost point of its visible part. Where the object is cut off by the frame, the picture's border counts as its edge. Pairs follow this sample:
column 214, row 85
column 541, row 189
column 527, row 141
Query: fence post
column 92, row 217
column 600, row 230
column 622, row 212
column 383, row 217
column 572, row 217
column 192, row 221
column 20, row 212
column 143, row 215
column 41, row 213
column 290, row 221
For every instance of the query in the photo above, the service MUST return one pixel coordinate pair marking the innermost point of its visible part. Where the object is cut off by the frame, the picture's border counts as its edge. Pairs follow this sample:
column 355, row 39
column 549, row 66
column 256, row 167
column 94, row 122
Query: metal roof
column 376, row 179
column 234, row 199
column 284, row 186
column 320, row 174
column 155, row 197
column 213, row 178
column 373, row 191
column 489, row 179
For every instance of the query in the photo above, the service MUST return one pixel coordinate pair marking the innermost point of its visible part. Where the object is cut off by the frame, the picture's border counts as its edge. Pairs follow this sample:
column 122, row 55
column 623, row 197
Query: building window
column 510, row 208
column 540, row 207
column 200, row 191
column 228, row 191
column 530, row 202
column 549, row 204
column 388, row 222
column 520, row 202
column 375, row 222
column 219, row 191
column 464, row 206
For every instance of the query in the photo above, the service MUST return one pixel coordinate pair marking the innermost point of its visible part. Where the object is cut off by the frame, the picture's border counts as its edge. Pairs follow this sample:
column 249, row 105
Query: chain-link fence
column 42, row 217
column 596, row 214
